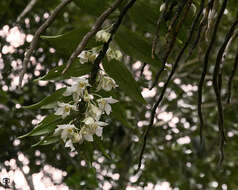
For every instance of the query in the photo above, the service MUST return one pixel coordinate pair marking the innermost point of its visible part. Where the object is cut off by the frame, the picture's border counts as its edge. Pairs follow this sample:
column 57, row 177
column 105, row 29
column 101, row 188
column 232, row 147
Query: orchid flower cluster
column 91, row 55
column 89, row 106
column 96, row 106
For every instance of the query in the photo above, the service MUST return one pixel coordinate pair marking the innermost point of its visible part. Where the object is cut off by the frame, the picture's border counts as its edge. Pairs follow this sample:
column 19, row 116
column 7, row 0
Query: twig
column 103, row 52
column 231, row 79
column 36, row 37
column 211, row 17
column 142, row 68
column 167, row 82
column 156, row 36
column 96, row 27
column 216, row 83
column 233, row 38
column 204, row 72
column 201, row 29
column 171, row 45
column 27, row 9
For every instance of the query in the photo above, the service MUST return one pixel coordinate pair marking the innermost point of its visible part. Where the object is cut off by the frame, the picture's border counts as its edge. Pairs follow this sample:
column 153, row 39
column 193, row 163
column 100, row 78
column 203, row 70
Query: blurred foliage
column 185, row 166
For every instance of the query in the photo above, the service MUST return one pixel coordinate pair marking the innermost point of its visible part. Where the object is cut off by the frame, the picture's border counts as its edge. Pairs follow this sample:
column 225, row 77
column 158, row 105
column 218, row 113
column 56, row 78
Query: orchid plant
column 81, row 107
column 90, row 123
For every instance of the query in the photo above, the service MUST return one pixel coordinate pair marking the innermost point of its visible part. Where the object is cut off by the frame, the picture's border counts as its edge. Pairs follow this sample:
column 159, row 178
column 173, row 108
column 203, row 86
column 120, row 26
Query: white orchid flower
column 114, row 54
column 102, row 36
column 106, row 83
column 86, row 133
column 64, row 109
column 92, row 127
column 93, row 111
column 88, row 56
column 65, row 130
column 83, row 57
column 104, row 104
column 77, row 89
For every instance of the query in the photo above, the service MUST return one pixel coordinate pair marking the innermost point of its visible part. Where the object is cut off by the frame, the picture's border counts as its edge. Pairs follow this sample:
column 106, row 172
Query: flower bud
column 102, row 36
column 162, row 7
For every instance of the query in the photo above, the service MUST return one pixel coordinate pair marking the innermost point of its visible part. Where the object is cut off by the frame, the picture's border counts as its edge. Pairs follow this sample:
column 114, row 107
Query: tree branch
column 27, row 9
column 216, row 83
column 103, row 52
column 168, row 80
column 96, row 27
column 171, row 45
column 231, row 79
column 36, row 37
column 204, row 72
column 201, row 29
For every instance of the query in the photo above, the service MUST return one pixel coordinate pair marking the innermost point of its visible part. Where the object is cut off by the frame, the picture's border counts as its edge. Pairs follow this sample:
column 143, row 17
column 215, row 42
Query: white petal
column 57, row 131
column 68, row 91
column 73, row 107
column 65, row 114
column 100, row 123
column 111, row 100
column 74, row 87
column 70, row 144
column 64, row 134
column 107, row 87
column 108, row 109
column 59, row 111
column 61, row 104
column 88, row 137
column 99, row 131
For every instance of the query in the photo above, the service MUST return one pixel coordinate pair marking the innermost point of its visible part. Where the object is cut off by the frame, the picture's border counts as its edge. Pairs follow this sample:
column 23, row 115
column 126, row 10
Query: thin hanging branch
column 201, row 29
column 96, row 27
column 103, row 52
column 232, row 39
column 156, row 36
column 171, row 45
column 217, row 88
column 204, row 72
column 168, row 80
column 36, row 37
column 234, row 36
column 210, row 19
column 231, row 79
column 27, row 9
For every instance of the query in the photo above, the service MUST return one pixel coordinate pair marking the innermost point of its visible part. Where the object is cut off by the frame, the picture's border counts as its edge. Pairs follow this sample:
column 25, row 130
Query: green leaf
column 136, row 46
column 50, row 140
column 48, row 100
column 46, row 126
column 92, row 7
column 124, row 79
column 150, row 13
column 67, row 43
column 75, row 70
column 47, row 140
